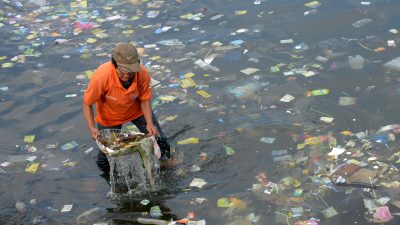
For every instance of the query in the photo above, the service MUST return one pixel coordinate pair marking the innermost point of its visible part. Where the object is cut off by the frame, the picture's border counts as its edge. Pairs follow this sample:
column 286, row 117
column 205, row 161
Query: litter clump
column 134, row 167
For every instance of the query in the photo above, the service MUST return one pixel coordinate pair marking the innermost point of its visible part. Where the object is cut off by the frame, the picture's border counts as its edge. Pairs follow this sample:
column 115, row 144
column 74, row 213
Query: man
column 121, row 90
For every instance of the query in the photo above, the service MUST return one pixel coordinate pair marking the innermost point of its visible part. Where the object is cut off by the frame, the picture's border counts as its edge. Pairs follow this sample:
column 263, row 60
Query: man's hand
column 95, row 133
column 152, row 130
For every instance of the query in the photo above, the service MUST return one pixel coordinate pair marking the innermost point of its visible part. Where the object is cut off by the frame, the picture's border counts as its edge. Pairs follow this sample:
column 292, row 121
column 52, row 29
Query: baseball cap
column 126, row 56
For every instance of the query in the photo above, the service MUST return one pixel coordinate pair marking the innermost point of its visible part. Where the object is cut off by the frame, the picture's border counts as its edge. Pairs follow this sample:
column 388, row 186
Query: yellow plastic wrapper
column 133, row 18
column 80, row 4
column 91, row 40
column 187, row 83
column 127, row 32
column 31, row 36
column 71, row 164
column 204, row 94
column 312, row 4
column 155, row 57
column 7, row 65
column 187, row 141
column 32, row 167
column 240, row 12
column 167, row 98
column 186, row 16
column 29, row 139
column 346, row 132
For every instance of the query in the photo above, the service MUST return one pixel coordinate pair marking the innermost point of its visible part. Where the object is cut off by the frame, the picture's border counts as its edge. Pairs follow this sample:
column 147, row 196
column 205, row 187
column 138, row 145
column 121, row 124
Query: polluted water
column 283, row 112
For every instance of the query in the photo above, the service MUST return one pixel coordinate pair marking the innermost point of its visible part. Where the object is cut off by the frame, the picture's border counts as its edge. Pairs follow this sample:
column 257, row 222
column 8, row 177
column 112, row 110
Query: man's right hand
column 95, row 133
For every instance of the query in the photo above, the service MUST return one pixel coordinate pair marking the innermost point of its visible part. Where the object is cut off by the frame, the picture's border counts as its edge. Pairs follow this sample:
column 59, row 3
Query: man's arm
column 88, row 113
column 145, row 106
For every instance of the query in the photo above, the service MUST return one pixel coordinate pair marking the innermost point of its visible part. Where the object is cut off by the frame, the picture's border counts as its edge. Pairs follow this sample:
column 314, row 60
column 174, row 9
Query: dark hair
column 114, row 62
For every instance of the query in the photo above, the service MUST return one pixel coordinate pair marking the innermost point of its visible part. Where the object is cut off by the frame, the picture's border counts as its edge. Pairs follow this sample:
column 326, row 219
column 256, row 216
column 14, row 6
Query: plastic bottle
column 362, row 22
column 317, row 92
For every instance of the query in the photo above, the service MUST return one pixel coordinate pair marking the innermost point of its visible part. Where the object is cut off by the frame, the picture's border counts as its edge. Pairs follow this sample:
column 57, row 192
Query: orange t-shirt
column 116, row 105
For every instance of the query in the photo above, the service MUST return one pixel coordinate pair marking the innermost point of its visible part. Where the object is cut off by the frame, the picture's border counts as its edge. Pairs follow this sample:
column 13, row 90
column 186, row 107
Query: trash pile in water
column 345, row 162
column 134, row 165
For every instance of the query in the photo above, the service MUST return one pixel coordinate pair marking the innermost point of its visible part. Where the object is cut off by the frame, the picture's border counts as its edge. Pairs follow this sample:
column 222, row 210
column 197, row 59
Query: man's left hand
column 152, row 130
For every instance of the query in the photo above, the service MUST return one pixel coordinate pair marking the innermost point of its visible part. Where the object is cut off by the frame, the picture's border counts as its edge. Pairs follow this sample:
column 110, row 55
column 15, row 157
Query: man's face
column 124, row 74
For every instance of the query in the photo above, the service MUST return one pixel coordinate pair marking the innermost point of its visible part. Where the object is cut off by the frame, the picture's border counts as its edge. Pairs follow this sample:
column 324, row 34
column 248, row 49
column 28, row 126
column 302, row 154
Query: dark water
column 36, row 103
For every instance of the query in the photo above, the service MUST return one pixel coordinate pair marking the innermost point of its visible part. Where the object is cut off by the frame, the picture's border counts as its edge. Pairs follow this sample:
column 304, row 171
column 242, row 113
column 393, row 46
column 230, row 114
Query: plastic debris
column 393, row 64
column 317, row 92
column 287, row 98
column 346, row 101
column 20, row 206
column 188, row 141
column 362, row 22
column 32, row 167
column 29, row 138
column 155, row 212
column 229, row 150
column 268, row 140
column 382, row 214
column 245, row 79
column 356, row 62
column 144, row 202
column 69, row 145
column 329, row 212
column 198, row 182
column 66, row 208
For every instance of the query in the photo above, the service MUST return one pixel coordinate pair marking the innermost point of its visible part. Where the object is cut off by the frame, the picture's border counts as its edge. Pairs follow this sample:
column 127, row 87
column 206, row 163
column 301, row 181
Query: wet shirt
column 116, row 105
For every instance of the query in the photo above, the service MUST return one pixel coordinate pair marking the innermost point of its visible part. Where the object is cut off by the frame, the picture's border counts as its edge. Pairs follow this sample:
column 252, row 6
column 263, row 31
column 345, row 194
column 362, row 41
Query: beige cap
column 126, row 55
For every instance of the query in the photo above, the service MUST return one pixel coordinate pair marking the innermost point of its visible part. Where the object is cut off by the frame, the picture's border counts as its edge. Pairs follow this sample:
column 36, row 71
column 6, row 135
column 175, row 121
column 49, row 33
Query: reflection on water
column 248, row 66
